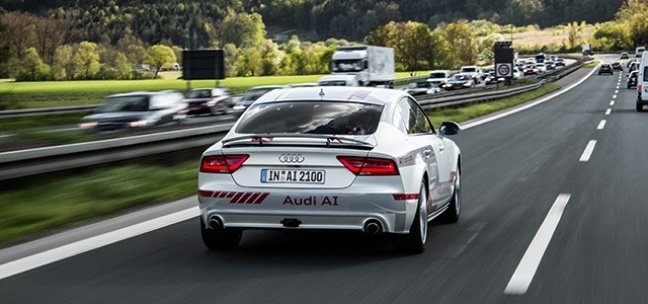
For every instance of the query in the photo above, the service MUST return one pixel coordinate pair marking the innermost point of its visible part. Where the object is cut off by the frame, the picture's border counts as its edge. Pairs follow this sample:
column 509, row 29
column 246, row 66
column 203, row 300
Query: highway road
column 554, row 211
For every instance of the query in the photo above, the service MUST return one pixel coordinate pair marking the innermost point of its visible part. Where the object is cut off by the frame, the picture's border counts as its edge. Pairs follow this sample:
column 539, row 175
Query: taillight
column 222, row 163
column 369, row 165
column 639, row 88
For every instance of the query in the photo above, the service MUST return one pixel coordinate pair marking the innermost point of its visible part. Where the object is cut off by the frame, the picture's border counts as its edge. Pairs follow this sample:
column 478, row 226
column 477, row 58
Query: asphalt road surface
column 554, row 211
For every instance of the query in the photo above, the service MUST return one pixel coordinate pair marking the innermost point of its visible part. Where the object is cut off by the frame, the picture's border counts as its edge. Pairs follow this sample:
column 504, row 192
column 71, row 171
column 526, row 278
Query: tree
column 242, row 29
column 461, row 43
column 64, row 63
column 87, row 58
column 158, row 55
column 32, row 67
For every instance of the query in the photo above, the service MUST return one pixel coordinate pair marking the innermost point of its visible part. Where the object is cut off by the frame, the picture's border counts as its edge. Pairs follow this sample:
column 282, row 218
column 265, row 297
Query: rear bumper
column 314, row 210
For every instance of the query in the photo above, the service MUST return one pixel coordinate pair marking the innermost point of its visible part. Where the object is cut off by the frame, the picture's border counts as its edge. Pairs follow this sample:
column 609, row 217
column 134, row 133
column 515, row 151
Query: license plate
column 292, row 176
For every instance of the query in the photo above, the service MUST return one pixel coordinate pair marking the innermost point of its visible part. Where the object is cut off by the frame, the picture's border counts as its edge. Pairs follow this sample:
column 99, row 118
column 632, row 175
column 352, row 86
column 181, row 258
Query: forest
column 111, row 39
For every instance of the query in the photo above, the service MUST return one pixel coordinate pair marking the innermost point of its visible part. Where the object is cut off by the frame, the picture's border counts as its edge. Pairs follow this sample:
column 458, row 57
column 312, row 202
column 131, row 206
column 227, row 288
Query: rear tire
column 451, row 215
column 639, row 107
column 220, row 239
column 414, row 241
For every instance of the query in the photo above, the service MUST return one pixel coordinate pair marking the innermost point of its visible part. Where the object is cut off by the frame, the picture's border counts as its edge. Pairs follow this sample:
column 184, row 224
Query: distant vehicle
column 339, row 80
column 136, row 110
column 252, row 95
column 177, row 67
column 303, row 85
column 625, row 55
column 633, row 66
column 639, row 51
column 530, row 69
column 617, row 66
column 540, row 58
column 642, row 83
column 542, row 68
column 373, row 65
column 517, row 73
column 213, row 101
column 419, row 88
column 331, row 159
column 550, row 64
column 632, row 79
column 605, row 68
column 439, row 77
column 475, row 72
column 459, row 81
column 492, row 79
column 587, row 50
column 560, row 62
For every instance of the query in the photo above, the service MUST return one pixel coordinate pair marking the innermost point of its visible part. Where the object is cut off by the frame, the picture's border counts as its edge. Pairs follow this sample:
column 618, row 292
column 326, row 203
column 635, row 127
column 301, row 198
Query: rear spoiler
column 332, row 141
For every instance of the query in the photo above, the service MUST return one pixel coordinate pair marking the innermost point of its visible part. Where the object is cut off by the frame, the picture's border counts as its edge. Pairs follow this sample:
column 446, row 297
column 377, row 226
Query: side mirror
column 449, row 128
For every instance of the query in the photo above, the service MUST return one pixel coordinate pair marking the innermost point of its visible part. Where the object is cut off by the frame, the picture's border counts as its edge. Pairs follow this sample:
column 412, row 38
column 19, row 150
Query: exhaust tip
column 372, row 227
column 214, row 223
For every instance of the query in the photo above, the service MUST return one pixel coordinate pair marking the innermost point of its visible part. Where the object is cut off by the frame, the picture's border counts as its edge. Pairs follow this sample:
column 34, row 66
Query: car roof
column 334, row 93
column 141, row 93
column 267, row 87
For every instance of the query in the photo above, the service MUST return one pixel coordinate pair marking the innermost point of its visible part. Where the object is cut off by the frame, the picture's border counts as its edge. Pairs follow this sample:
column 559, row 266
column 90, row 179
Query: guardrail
column 45, row 111
column 22, row 163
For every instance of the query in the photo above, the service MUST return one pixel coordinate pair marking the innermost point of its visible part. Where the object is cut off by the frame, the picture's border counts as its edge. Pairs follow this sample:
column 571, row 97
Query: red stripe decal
column 205, row 193
column 406, row 196
column 244, row 198
column 223, row 194
column 230, row 194
column 216, row 193
column 236, row 197
column 262, row 198
column 253, row 197
column 453, row 176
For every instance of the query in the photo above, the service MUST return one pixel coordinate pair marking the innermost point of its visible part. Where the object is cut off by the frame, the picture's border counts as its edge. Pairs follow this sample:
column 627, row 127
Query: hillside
column 156, row 21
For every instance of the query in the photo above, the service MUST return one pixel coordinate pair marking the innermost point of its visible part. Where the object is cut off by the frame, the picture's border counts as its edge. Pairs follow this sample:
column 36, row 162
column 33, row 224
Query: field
column 535, row 39
column 72, row 93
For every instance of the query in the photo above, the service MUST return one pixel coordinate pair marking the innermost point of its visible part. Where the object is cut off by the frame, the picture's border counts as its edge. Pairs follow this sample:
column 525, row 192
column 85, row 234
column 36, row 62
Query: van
column 642, row 83
column 639, row 51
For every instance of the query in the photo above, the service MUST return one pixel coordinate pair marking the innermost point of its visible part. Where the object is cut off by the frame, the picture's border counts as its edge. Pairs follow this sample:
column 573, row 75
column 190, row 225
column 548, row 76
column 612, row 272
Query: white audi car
column 331, row 158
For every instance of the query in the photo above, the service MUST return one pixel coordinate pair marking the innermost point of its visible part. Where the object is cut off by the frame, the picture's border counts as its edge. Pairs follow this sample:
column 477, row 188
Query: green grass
column 26, row 95
column 61, row 202
column 473, row 111
column 46, row 205
column 22, row 123
column 591, row 64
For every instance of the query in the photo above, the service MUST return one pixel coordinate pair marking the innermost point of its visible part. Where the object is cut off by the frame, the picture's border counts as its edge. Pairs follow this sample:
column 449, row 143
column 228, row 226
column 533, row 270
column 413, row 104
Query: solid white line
column 608, row 111
column 53, row 255
column 481, row 121
column 601, row 125
column 612, row 103
column 589, row 149
column 523, row 275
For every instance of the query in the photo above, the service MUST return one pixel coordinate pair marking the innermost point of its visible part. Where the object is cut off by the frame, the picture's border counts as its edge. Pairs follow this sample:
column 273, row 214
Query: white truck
column 373, row 65
column 587, row 49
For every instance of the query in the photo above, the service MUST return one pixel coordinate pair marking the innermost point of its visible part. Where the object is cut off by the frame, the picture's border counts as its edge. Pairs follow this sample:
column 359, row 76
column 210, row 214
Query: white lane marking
column 614, row 96
column 601, row 125
column 589, row 149
column 618, row 86
column 523, row 275
column 54, row 255
column 481, row 121
column 608, row 111
column 612, row 103
column 616, row 91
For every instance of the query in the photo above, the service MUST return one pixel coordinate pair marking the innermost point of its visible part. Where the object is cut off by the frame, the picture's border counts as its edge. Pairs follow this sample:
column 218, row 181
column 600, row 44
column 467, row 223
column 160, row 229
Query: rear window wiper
column 331, row 140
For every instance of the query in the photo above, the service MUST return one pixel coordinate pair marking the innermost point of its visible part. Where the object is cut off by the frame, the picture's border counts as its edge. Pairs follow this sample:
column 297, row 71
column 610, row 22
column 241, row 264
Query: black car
column 136, row 110
column 632, row 79
column 459, row 81
column 606, row 68
column 625, row 55
column 211, row 101
column 617, row 66
column 251, row 96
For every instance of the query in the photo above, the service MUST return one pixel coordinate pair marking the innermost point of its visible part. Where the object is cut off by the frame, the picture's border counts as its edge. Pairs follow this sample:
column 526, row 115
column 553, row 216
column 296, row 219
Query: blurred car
column 625, row 55
column 331, row 158
column 542, row 68
column 632, row 79
column 302, row 85
column 492, row 79
column 459, row 81
column 605, row 68
column 136, row 110
column 419, row 88
column 251, row 95
column 560, row 62
column 550, row 64
column 630, row 62
column 439, row 77
column 475, row 72
column 617, row 66
column 517, row 73
column 530, row 69
column 633, row 66
column 213, row 101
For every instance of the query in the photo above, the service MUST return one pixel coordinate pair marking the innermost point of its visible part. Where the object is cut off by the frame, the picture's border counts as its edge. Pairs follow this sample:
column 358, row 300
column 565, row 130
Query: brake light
column 639, row 88
column 369, row 165
column 222, row 163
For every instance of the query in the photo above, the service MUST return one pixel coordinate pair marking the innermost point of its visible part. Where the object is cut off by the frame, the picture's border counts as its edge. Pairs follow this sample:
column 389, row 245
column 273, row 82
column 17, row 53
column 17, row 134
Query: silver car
column 331, row 158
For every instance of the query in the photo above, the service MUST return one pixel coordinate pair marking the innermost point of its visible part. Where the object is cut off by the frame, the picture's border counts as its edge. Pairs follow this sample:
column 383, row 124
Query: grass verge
column 591, row 64
column 61, row 202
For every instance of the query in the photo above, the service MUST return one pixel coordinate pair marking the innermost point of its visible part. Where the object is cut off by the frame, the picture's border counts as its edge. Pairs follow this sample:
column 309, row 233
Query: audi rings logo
column 291, row 158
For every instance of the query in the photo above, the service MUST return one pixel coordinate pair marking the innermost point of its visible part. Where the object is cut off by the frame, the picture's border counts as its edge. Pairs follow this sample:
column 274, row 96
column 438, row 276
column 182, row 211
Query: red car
column 617, row 66
column 211, row 101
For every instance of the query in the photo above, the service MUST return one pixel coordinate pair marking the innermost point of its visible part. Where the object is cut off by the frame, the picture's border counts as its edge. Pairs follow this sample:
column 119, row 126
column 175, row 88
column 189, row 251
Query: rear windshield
column 437, row 75
column 124, row 104
column 199, row 94
column 311, row 117
column 468, row 70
